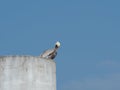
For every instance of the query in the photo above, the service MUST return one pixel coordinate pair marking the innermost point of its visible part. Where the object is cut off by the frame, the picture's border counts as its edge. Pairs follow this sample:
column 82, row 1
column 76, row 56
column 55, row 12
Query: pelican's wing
column 53, row 55
column 46, row 53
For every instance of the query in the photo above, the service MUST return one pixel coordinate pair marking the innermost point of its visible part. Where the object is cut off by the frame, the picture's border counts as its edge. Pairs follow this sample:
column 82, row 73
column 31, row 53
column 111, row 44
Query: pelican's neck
column 56, row 47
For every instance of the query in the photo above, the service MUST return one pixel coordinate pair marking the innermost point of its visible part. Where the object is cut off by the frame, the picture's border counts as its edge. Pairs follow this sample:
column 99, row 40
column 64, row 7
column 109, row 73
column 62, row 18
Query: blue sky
column 88, row 30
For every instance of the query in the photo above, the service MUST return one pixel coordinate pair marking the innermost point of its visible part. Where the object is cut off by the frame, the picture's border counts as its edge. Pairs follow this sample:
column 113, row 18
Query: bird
column 51, row 53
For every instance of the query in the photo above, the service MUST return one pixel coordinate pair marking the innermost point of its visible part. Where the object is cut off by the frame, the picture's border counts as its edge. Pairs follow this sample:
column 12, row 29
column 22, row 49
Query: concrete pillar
column 27, row 73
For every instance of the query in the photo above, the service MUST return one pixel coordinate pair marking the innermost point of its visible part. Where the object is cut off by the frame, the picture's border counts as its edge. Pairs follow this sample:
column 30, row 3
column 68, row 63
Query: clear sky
column 89, row 32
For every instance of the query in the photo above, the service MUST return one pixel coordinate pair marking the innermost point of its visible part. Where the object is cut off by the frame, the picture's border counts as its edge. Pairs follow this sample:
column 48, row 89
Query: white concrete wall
column 27, row 73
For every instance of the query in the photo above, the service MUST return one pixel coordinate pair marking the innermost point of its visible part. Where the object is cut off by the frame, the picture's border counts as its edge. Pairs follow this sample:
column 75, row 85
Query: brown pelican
column 50, row 54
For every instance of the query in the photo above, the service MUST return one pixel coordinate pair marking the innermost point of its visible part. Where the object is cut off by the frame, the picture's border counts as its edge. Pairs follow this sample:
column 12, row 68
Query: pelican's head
column 57, row 44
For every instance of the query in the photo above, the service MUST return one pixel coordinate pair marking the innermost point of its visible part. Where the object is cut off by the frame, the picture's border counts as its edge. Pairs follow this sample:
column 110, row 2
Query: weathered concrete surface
column 27, row 73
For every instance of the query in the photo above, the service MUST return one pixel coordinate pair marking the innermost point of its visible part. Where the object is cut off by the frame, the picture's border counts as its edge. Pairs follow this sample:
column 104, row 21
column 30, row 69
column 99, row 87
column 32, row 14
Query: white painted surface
column 27, row 73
